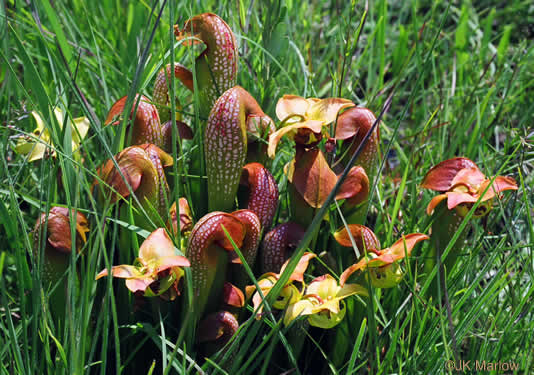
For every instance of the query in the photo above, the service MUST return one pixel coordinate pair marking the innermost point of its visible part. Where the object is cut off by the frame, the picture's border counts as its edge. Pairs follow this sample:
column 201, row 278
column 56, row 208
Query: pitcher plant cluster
column 239, row 229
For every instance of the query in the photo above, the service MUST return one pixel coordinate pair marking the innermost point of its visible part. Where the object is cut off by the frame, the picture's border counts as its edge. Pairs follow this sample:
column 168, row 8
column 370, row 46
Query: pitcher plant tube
column 225, row 145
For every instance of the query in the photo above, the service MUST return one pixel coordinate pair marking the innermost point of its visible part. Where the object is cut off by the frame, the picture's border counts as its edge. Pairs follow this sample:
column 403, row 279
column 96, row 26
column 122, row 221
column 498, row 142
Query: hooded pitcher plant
column 54, row 229
column 311, row 180
column 156, row 272
column 40, row 145
column 146, row 126
column 216, row 66
column 260, row 193
column 278, row 245
column 225, row 145
column 384, row 270
column 208, row 249
column 350, row 130
column 143, row 170
column 462, row 185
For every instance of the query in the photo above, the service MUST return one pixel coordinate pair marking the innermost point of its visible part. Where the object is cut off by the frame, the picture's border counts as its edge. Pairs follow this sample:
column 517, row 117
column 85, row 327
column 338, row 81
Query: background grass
column 461, row 79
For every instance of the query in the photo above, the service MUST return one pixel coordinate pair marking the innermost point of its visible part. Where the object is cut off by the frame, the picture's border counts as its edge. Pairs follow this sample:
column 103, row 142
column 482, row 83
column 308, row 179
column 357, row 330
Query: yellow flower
column 37, row 147
column 157, row 270
column 304, row 119
column 323, row 302
column 290, row 293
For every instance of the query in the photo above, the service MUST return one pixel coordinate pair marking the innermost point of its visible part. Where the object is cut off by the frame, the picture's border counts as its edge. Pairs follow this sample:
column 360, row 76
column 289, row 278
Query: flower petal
column 350, row 290
column 470, row 177
column 355, row 188
column 302, row 307
column 158, row 245
column 136, row 285
column 349, row 271
column 302, row 265
column 291, row 105
column 441, row 176
column 232, row 295
column 124, row 271
column 398, row 250
column 291, row 130
column 324, row 286
column 312, row 177
column 364, row 237
column 434, row 203
column 500, row 183
column 326, row 110
column 81, row 127
column 455, row 198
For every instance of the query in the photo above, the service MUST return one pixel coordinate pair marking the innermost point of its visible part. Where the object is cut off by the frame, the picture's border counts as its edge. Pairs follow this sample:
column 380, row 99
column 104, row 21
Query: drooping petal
column 456, row 198
column 291, row 130
column 500, row 183
column 470, row 177
column 441, row 176
column 289, row 105
column 398, row 250
column 124, row 271
column 434, row 203
column 184, row 214
column 302, row 265
column 299, row 308
column 233, row 296
column 349, row 271
column 139, row 284
column 355, row 188
column 312, row 177
column 81, row 127
column 364, row 237
column 326, row 110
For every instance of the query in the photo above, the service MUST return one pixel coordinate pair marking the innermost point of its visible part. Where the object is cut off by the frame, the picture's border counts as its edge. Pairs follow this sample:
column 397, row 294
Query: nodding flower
column 462, row 184
column 41, row 144
column 323, row 303
column 291, row 292
column 384, row 270
column 156, row 272
column 303, row 119
column 141, row 172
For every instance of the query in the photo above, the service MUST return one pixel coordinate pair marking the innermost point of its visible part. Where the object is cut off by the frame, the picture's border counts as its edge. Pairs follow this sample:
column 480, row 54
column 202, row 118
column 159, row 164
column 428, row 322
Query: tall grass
column 450, row 79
